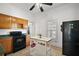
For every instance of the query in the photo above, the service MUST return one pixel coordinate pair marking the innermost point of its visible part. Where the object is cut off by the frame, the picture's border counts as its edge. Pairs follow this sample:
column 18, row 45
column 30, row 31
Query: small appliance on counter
column 19, row 40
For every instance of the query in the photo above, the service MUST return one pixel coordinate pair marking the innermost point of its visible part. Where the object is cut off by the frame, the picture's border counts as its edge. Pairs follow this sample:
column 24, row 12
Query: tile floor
column 25, row 52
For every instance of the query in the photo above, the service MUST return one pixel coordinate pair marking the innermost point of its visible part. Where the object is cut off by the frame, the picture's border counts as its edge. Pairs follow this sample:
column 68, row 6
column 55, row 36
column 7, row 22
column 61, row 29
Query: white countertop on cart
column 42, row 38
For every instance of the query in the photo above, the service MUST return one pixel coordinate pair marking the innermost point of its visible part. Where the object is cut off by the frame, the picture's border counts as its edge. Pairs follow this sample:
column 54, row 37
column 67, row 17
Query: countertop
column 7, row 36
column 42, row 38
column 4, row 36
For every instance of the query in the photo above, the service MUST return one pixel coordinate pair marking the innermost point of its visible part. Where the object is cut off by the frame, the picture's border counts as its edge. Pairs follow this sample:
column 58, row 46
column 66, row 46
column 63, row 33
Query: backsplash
column 6, row 31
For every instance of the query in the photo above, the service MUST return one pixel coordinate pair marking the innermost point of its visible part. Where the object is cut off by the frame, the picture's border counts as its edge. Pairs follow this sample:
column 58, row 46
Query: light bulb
column 38, row 5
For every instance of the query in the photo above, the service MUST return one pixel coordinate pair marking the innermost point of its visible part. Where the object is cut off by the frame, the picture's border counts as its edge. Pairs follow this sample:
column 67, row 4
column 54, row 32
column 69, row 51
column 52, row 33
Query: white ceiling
column 35, row 13
column 26, row 6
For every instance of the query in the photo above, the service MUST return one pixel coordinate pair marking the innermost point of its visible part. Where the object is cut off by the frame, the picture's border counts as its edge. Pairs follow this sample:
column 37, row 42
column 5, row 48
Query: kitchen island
column 40, row 46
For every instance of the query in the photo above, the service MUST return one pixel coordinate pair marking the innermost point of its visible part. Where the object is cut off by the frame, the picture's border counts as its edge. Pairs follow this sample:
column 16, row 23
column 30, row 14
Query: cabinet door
column 28, row 40
column 21, row 23
column 5, row 22
column 7, row 44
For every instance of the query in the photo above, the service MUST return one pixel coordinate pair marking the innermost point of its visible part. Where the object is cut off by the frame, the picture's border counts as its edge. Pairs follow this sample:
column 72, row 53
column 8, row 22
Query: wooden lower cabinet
column 27, row 40
column 7, row 44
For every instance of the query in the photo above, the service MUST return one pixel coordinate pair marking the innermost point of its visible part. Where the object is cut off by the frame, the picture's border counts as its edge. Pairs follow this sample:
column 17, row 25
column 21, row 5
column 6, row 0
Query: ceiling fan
column 40, row 6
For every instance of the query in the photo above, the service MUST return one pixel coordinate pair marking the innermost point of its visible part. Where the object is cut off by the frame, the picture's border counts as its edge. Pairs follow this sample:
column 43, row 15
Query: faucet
column 39, row 35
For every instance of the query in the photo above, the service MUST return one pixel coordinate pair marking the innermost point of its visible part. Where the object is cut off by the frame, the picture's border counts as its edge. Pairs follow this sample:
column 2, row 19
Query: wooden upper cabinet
column 5, row 22
column 21, row 23
column 10, row 22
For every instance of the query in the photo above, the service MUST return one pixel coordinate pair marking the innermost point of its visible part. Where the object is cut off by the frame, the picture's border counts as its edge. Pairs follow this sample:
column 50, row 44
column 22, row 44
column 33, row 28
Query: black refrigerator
column 70, row 36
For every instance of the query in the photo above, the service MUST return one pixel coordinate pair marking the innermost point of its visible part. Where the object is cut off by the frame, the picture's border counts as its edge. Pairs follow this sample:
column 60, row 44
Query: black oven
column 19, row 40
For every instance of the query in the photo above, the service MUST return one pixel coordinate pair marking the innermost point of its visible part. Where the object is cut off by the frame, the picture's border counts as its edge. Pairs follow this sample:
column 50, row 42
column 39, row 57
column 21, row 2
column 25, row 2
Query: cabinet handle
column 41, row 43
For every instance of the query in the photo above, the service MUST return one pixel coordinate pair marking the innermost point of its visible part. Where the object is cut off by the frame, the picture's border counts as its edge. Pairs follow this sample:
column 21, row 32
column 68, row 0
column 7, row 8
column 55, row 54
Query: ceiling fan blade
column 32, row 7
column 50, row 4
column 41, row 9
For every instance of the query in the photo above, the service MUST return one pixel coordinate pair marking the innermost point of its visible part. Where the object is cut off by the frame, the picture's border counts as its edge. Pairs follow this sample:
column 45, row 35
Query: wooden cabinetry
column 7, row 44
column 5, row 22
column 10, row 22
column 20, row 23
column 28, row 40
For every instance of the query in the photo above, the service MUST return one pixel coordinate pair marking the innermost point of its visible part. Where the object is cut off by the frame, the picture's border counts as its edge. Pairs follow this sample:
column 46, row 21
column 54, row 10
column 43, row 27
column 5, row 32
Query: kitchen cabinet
column 11, row 22
column 5, row 21
column 20, row 23
column 7, row 44
column 28, row 40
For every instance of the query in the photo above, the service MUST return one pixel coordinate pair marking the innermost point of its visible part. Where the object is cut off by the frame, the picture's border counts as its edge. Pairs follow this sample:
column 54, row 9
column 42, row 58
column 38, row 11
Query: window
column 52, row 29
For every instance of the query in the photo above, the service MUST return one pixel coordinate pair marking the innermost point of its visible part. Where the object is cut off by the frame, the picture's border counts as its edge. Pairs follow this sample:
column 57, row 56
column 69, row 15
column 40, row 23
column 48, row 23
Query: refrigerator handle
column 62, row 28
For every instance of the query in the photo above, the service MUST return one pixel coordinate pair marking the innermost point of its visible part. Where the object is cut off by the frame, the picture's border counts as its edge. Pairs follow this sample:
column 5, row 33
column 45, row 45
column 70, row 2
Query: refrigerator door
column 71, row 38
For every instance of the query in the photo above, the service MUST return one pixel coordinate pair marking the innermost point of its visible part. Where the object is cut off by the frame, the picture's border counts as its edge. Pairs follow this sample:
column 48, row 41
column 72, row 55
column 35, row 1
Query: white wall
column 41, row 23
column 41, row 27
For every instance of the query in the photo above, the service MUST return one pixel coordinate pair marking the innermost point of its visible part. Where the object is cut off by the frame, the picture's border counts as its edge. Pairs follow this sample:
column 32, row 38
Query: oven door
column 19, row 43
